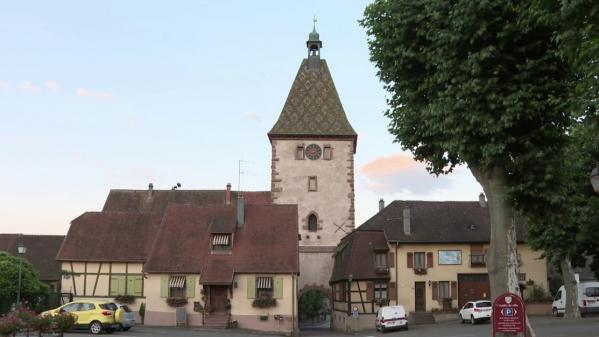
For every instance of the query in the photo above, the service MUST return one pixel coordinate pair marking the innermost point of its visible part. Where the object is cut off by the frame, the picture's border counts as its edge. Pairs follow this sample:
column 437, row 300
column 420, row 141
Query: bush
column 26, row 316
column 538, row 294
column 63, row 322
column 10, row 325
column 41, row 324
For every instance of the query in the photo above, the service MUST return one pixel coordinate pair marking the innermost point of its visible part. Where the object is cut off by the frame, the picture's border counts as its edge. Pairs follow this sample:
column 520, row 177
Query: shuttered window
column 419, row 260
column 264, row 287
column 126, row 285
column 177, row 286
column 443, row 289
column 380, row 291
column 380, row 260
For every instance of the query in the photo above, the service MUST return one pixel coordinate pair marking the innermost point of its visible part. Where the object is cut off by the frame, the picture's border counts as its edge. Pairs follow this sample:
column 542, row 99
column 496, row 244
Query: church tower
column 313, row 147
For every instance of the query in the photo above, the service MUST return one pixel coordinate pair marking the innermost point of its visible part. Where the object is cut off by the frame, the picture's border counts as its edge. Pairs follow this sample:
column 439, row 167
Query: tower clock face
column 313, row 151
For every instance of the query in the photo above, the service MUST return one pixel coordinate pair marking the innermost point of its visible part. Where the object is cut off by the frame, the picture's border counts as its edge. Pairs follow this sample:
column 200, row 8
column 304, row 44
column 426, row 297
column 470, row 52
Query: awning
column 264, row 282
column 177, row 282
column 220, row 239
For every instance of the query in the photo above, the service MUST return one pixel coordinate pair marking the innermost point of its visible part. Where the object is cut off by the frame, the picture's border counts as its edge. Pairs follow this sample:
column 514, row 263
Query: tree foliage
column 31, row 287
column 311, row 303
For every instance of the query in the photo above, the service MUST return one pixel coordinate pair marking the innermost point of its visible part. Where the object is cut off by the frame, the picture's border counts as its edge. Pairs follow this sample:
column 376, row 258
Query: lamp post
column 21, row 249
column 595, row 178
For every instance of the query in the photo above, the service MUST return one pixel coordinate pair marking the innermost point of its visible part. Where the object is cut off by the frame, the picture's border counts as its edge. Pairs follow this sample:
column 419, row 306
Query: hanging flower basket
column 124, row 299
column 176, row 301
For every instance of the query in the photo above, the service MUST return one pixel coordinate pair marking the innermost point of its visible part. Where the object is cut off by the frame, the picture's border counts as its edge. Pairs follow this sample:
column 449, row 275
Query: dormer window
column 221, row 242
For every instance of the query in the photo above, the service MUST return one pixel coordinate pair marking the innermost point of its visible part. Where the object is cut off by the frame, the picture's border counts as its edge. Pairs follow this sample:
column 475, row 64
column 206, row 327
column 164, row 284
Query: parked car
column 391, row 317
column 95, row 316
column 588, row 299
column 476, row 311
column 128, row 320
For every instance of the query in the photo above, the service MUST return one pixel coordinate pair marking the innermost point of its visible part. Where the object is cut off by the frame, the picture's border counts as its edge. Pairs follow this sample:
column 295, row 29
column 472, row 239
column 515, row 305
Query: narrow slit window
column 312, row 223
column 299, row 152
column 312, row 184
column 327, row 153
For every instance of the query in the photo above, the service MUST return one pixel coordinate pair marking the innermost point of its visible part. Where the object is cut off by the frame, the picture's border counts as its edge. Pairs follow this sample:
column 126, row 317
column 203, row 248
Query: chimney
column 240, row 211
column 406, row 220
column 150, row 191
column 381, row 204
column 228, row 194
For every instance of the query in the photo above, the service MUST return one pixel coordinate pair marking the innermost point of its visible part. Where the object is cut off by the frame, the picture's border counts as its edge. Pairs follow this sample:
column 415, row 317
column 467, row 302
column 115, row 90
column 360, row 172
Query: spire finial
column 314, row 20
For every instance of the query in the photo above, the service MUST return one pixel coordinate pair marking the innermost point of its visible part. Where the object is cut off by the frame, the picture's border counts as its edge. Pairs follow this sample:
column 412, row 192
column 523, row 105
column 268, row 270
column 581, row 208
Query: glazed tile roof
column 41, row 252
column 313, row 107
column 436, row 222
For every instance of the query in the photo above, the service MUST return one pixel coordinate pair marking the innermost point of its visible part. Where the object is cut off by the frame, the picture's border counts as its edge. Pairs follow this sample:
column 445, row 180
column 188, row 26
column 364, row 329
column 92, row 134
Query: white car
column 391, row 317
column 476, row 311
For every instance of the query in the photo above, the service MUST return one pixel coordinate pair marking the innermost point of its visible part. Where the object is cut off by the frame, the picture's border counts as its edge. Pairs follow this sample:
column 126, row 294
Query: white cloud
column 252, row 116
column 28, row 86
column 82, row 92
column 52, row 85
column 3, row 85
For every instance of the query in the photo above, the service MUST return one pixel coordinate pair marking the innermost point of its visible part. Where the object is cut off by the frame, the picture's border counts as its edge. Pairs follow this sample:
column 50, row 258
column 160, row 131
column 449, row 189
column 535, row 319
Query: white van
column 588, row 299
column 391, row 317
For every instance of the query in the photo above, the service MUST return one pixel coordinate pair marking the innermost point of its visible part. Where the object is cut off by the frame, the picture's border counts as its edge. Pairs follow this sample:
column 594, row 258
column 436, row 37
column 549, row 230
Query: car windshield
column 483, row 304
column 592, row 292
column 108, row 306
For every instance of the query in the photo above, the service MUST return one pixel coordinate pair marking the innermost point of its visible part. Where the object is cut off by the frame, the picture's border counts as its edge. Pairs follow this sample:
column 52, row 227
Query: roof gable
column 355, row 256
column 41, row 252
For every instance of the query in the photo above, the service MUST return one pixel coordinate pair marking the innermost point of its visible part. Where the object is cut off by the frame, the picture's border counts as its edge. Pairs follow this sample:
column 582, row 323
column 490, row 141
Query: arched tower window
column 312, row 223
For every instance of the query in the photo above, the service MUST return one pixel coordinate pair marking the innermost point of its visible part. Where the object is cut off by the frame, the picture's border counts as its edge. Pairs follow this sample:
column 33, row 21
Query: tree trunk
column 502, row 257
column 572, row 310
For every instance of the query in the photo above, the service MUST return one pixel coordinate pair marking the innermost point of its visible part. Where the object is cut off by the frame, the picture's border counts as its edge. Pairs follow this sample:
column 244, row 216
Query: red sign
column 509, row 315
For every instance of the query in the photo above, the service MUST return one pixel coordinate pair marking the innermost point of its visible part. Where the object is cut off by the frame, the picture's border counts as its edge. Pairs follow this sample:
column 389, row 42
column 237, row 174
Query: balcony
column 477, row 260
column 420, row 271
column 381, row 270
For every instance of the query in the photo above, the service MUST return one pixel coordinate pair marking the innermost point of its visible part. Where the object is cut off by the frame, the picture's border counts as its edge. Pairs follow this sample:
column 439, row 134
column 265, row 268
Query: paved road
column 544, row 327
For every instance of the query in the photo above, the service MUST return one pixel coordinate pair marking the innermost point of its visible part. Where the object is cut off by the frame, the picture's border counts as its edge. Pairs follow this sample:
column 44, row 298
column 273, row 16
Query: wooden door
column 420, row 296
column 218, row 297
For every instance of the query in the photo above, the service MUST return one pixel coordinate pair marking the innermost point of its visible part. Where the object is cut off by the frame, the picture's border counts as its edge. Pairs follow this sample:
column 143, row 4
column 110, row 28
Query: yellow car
column 95, row 316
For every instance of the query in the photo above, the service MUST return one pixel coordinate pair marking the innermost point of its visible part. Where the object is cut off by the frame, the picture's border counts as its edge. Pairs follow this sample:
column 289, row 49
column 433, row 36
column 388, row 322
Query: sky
column 100, row 95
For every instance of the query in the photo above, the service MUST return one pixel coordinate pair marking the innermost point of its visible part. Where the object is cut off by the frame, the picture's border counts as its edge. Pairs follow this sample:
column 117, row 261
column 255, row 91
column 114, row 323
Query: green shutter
column 251, row 286
column 164, row 286
column 117, row 285
column 190, row 284
column 278, row 287
column 134, row 285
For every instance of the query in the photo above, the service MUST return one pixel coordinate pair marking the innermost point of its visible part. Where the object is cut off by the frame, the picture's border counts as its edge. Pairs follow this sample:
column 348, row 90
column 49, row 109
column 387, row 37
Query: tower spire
column 314, row 44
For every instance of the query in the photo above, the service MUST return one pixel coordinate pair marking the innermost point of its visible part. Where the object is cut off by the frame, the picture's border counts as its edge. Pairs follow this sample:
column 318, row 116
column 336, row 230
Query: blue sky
column 117, row 94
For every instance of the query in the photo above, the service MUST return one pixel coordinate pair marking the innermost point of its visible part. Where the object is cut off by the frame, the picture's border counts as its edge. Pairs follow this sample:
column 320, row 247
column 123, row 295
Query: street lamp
column 595, row 178
column 21, row 249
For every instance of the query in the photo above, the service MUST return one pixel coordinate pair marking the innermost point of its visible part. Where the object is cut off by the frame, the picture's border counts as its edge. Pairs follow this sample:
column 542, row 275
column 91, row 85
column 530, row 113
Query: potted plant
column 264, row 302
column 176, row 301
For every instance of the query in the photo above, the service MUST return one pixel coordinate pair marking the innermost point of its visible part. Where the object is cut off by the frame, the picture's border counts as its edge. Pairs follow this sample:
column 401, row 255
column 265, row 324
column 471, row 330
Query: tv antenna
column 239, row 173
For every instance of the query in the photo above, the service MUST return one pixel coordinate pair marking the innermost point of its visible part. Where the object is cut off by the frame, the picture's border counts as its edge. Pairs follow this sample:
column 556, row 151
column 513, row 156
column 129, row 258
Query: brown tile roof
column 139, row 200
column 313, row 107
column 355, row 256
column 436, row 222
column 110, row 236
column 266, row 243
column 41, row 252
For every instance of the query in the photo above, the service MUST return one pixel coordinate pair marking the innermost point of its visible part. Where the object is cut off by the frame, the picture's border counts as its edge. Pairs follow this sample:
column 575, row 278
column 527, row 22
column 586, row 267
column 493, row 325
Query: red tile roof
column 140, row 200
column 110, row 236
column 355, row 255
column 41, row 252
column 266, row 243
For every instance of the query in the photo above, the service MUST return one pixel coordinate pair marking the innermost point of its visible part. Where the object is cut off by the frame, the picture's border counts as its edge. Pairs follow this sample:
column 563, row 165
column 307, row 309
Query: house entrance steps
column 216, row 320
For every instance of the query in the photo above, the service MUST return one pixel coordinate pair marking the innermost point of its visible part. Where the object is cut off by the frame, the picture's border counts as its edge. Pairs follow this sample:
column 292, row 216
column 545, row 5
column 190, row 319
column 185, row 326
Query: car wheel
column 472, row 320
column 461, row 319
column 95, row 327
column 555, row 313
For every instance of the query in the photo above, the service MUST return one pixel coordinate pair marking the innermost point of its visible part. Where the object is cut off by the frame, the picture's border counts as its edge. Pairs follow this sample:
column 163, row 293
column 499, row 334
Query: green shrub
column 10, row 325
column 63, row 322
column 41, row 324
